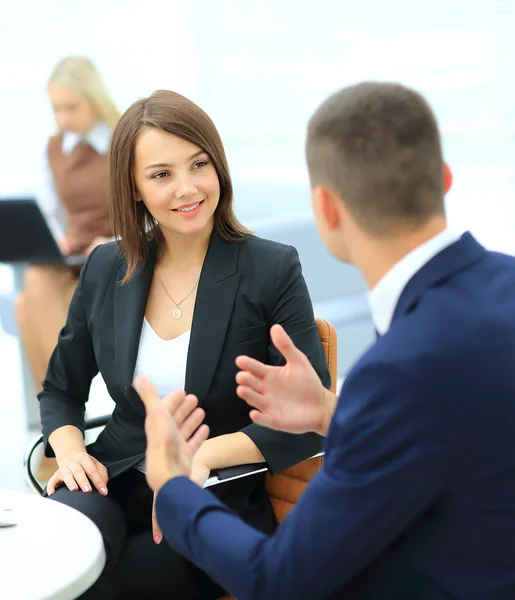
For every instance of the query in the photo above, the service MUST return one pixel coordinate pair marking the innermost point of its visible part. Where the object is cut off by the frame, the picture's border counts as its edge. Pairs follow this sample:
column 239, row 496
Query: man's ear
column 328, row 206
column 447, row 178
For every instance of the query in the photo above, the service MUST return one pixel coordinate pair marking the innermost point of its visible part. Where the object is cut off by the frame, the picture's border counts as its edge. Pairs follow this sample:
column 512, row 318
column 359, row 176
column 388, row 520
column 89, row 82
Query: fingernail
column 103, row 491
column 86, row 488
column 157, row 539
column 73, row 488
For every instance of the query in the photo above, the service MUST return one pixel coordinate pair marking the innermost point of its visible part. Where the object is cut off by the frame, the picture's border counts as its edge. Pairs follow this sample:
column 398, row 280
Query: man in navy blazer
column 416, row 499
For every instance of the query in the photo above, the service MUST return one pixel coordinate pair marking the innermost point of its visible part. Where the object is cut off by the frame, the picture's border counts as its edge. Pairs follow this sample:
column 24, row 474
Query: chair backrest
column 286, row 488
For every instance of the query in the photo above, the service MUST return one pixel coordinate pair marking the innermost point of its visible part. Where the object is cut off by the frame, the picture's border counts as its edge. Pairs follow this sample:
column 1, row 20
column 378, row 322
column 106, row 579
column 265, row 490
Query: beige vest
column 80, row 180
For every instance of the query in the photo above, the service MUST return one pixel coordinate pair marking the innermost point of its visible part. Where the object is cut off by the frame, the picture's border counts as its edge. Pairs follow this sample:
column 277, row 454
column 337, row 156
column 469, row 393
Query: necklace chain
column 177, row 304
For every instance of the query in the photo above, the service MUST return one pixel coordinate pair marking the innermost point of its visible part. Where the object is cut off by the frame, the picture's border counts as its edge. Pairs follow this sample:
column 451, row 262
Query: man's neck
column 376, row 256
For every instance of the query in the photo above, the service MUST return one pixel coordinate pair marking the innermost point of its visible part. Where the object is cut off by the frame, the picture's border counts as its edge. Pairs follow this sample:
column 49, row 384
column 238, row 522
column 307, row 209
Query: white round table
column 53, row 553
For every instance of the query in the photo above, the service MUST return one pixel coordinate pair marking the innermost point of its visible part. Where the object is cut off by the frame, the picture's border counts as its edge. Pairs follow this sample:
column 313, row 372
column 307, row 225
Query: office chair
column 286, row 488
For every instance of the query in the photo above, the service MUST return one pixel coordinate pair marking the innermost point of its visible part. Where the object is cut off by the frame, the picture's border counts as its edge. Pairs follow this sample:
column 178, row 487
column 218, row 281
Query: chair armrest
column 27, row 459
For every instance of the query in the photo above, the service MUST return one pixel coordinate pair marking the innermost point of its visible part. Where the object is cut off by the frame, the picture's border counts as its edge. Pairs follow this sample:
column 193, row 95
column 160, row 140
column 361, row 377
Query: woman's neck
column 183, row 252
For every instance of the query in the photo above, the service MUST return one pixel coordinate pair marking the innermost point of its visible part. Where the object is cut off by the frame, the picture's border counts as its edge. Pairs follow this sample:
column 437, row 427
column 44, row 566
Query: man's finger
column 198, row 438
column 246, row 379
column 174, row 400
column 192, row 423
column 251, row 397
column 148, row 393
column 282, row 341
column 157, row 421
column 260, row 418
column 251, row 365
column 157, row 534
column 184, row 409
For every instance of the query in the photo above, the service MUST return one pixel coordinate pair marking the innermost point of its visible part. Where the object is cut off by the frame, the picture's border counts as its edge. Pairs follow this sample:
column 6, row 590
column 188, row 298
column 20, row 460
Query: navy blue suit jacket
column 416, row 499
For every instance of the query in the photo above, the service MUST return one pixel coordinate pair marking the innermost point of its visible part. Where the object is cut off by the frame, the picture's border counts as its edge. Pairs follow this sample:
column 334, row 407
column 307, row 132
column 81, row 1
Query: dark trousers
column 135, row 566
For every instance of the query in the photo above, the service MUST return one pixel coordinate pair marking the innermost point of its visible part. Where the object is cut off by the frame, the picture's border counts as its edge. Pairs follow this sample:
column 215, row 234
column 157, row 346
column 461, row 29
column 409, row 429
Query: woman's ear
column 135, row 192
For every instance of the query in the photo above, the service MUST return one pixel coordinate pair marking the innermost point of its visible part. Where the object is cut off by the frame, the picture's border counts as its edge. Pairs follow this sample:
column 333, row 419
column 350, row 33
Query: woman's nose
column 185, row 187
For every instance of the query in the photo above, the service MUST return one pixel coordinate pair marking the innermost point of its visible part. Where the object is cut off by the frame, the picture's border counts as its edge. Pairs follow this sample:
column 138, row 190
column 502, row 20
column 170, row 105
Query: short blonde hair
column 78, row 74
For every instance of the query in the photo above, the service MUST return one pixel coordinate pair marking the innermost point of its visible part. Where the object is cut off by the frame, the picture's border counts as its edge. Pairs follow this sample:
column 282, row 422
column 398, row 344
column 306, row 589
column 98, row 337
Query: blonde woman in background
column 73, row 198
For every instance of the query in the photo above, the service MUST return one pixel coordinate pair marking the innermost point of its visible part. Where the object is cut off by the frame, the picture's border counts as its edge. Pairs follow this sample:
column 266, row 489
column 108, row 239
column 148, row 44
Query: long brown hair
column 133, row 225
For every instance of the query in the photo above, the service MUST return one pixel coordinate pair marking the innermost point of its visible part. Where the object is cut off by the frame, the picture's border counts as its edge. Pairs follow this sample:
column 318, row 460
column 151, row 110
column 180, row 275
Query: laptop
column 26, row 238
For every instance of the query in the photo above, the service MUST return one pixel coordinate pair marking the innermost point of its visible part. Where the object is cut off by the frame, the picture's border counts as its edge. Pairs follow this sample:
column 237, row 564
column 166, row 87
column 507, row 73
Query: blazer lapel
column 450, row 260
column 130, row 304
column 216, row 293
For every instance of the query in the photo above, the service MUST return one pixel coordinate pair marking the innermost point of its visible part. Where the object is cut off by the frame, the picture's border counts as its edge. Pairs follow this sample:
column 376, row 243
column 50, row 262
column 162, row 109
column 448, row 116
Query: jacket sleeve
column 293, row 310
column 387, row 461
column 71, row 368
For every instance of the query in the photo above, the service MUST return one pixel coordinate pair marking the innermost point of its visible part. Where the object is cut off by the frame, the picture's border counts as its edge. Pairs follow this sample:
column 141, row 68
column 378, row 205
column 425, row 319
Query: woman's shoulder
column 254, row 245
column 102, row 260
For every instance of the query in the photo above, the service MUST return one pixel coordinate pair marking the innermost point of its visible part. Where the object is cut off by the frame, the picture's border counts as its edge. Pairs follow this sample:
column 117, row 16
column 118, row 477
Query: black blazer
column 245, row 287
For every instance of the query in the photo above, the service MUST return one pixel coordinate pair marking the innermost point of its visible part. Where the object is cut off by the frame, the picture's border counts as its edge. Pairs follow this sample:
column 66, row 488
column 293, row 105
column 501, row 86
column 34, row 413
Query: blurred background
column 259, row 69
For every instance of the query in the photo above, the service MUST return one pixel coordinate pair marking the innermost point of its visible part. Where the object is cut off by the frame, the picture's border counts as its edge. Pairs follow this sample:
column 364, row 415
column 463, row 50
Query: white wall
column 260, row 68
column 275, row 60
column 137, row 46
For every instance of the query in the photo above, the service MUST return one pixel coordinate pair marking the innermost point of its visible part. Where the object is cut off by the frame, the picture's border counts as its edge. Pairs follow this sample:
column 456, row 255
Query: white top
column 162, row 362
column 385, row 295
column 53, row 553
column 98, row 138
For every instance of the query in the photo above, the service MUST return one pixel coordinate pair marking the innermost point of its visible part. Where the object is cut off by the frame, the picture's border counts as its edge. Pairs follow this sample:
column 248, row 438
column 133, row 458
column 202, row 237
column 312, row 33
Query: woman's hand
column 200, row 469
column 77, row 471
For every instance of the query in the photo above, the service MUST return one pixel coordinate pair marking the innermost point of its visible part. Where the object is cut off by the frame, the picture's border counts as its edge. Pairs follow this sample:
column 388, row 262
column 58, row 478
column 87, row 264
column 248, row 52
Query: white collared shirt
column 48, row 200
column 384, row 296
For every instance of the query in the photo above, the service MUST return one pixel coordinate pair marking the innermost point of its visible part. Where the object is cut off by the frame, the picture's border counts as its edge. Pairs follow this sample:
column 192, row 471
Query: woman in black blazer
column 184, row 272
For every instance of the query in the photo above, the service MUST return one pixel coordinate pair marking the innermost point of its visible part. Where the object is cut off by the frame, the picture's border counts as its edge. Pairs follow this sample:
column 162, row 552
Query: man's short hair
column 377, row 146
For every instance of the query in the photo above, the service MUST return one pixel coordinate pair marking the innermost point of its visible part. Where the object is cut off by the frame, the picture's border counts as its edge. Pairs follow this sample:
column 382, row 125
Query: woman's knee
column 104, row 511
column 35, row 275
column 46, row 278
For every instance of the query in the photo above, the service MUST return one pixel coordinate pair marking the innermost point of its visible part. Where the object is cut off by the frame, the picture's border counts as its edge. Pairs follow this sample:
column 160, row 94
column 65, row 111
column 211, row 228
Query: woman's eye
column 161, row 175
column 200, row 164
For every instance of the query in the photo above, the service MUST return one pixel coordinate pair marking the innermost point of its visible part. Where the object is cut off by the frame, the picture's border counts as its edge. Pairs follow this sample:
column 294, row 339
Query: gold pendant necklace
column 177, row 311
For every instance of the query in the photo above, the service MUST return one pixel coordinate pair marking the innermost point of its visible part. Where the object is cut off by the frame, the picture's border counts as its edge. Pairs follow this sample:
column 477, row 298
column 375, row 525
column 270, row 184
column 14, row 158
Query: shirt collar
column 98, row 137
column 384, row 296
